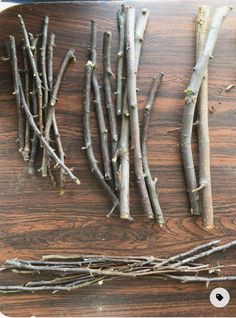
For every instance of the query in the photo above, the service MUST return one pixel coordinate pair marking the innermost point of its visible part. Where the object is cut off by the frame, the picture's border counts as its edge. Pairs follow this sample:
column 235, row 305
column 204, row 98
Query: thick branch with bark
column 14, row 63
column 123, row 148
column 98, row 105
column 35, row 72
column 88, row 138
column 133, row 108
column 107, row 74
column 151, row 186
column 190, row 103
column 120, row 60
column 203, row 129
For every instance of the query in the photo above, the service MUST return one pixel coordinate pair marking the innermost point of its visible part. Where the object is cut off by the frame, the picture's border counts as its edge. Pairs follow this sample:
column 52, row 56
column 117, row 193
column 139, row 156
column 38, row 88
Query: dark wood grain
column 36, row 220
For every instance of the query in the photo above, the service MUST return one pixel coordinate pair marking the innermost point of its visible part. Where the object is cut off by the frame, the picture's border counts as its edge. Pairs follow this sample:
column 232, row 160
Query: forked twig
column 151, row 186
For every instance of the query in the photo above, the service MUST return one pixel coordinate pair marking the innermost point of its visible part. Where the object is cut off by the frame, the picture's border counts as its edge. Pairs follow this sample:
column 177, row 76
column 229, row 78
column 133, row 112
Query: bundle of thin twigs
column 72, row 272
column 197, row 93
column 114, row 175
column 36, row 94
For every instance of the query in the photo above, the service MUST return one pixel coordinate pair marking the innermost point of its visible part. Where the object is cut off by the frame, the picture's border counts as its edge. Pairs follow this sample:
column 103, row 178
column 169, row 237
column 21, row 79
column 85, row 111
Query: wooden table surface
column 35, row 220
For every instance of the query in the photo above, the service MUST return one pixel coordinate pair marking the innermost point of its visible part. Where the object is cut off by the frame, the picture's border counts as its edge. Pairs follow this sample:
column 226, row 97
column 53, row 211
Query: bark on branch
column 133, row 108
column 88, row 138
column 202, row 127
column 98, row 105
column 151, row 186
column 107, row 74
column 190, row 103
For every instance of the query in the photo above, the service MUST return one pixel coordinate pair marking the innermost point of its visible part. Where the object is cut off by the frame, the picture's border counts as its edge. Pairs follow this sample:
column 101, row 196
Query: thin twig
column 35, row 71
column 107, row 74
column 203, row 129
column 88, row 138
column 191, row 279
column 43, row 63
column 203, row 254
column 190, row 252
column 49, row 149
column 120, row 60
column 70, row 55
column 148, row 178
column 34, row 142
column 51, row 44
column 14, row 63
column 98, row 104
column 133, row 107
column 26, row 151
column 190, row 103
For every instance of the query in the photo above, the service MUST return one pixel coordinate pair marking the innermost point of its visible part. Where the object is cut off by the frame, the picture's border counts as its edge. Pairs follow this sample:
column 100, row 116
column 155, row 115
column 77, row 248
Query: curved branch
column 88, row 138
column 133, row 107
column 203, row 129
column 148, row 178
column 190, row 103
column 98, row 105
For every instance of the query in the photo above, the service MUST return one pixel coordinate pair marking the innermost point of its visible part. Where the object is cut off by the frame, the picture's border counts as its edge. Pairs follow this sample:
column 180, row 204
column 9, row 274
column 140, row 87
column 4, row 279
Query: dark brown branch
column 134, row 117
column 120, row 60
column 20, row 118
column 146, row 124
column 88, row 138
column 98, row 105
column 43, row 62
column 26, row 151
column 35, row 72
column 107, row 74
column 70, row 55
column 49, row 149
column 203, row 129
column 190, row 103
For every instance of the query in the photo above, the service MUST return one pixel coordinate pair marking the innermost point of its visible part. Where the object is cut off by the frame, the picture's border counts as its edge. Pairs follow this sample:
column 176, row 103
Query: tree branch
column 120, row 60
column 134, row 118
column 146, row 124
column 70, row 55
column 14, row 63
column 98, row 104
column 107, row 74
column 43, row 63
column 88, row 138
column 50, row 151
column 190, row 103
column 26, row 151
column 203, row 129
column 35, row 72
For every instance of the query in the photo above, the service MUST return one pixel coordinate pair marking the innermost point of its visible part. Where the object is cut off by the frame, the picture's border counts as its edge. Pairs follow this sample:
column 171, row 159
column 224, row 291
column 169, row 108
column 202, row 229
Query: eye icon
column 219, row 297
